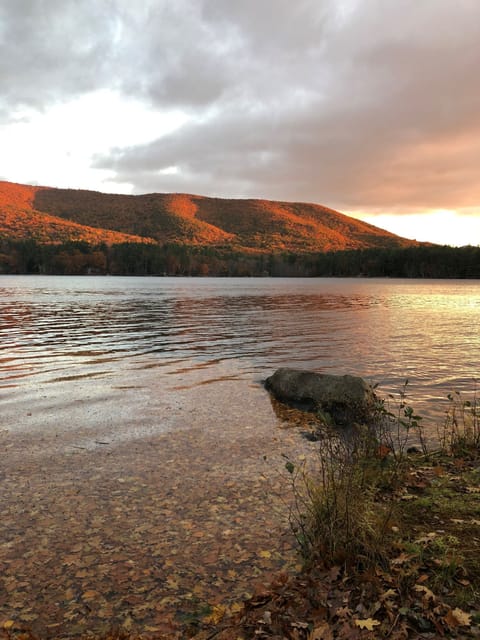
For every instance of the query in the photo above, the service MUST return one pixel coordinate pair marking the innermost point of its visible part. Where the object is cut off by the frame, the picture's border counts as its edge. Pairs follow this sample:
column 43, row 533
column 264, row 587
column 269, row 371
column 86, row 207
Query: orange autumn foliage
column 260, row 226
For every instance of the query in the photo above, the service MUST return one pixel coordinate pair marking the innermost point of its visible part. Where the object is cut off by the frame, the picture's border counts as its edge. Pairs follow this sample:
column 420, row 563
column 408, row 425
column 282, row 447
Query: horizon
column 263, row 100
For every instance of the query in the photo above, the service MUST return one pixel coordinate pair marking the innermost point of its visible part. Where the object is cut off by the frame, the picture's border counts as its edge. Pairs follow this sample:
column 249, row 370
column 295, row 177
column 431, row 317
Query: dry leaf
column 334, row 573
column 127, row 623
column 236, row 607
column 402, row 558
column 473, row 489
column 458, row 618
column 266, row 618
column 299, row 625
column 426, row 539
column 218, row 612
column 428, row 595
column 322, row 632
column 367, row 623
column 388, row 594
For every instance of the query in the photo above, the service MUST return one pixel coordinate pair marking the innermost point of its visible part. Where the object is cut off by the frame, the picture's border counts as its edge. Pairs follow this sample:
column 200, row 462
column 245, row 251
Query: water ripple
column 64, row 329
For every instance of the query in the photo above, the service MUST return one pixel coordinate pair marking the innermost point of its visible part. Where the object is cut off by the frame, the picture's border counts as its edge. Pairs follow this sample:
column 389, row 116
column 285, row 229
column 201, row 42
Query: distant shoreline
column 30, row 257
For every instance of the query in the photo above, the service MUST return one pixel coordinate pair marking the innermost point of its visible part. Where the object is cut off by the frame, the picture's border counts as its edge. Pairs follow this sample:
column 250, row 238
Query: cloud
column 370, row 105
column 52, row 50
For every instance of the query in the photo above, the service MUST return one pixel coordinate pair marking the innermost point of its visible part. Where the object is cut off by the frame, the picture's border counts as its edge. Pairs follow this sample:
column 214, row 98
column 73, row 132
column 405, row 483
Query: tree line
column 81, row 258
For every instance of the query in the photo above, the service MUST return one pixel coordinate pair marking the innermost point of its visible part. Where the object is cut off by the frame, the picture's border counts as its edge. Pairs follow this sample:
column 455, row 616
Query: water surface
column 143, row 473
column 64, row 330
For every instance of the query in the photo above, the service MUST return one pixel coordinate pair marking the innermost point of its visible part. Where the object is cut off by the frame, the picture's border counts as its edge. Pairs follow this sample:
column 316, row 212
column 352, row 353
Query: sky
column 370, row 107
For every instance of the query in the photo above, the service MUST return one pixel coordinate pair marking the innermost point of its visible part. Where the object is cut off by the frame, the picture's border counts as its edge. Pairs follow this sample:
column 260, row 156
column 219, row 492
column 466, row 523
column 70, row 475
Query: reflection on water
column 63, row 329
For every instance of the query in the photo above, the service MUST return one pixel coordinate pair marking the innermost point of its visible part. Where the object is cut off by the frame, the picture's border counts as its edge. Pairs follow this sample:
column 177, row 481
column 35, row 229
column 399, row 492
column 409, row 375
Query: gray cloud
column 52, row 50
column 371, row 104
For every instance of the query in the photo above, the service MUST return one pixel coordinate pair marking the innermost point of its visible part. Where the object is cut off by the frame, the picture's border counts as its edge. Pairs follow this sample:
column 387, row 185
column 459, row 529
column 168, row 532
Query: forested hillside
column 260, row 226
column 64, row 231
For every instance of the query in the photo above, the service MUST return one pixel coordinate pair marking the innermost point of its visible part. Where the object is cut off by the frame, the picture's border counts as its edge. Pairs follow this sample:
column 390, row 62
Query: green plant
column 337, row 516
column 346, row 504
column 401, row 424
column 461, row 429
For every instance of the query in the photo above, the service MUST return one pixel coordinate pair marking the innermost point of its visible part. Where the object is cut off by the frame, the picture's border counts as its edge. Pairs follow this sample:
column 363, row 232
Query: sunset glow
column 440, row 227
column 360, row 107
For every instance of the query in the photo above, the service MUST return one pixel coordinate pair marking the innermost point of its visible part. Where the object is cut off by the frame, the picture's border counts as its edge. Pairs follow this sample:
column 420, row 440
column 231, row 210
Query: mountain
column 20, row 220
column 50, row 215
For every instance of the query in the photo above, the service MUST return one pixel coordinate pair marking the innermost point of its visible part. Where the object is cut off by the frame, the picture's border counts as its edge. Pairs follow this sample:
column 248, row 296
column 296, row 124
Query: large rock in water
column 347, row 399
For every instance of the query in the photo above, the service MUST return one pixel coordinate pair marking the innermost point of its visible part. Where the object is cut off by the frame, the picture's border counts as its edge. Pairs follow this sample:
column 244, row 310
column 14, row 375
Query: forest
column 140, row 259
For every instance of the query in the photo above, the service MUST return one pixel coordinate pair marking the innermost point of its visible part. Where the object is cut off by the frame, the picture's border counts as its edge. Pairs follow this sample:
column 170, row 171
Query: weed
column 346, row 511
column 461, row 429
column 400, row 424
column 337, row 516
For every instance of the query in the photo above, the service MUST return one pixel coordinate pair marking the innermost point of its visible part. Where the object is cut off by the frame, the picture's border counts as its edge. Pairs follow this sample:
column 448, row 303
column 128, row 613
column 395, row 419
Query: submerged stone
column 347, row 399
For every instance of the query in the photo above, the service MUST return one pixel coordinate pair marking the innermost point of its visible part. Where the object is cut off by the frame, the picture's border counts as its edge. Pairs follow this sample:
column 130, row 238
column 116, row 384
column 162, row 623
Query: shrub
column 461, row 428
column 343, row 510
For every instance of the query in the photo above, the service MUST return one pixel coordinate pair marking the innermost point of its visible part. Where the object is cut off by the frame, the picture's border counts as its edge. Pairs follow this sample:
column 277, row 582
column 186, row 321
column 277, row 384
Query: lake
column 57, row 333
column 142, row 473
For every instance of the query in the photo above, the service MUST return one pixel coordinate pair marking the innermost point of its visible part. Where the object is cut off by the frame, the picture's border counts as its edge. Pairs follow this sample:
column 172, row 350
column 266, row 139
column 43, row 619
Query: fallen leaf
column 426, row 539
column 383, row 451
column 464, row 582
column 299, row 625
column 402, row 558
column 172, row 582
column 266, row 618
column 367, row 623
column 388, row 594
column 127, row 623
column 236, row 607
column 82, row 573
column 423, row 578
column 323, row 632
column 28, row 617
column 457, row 618
column 428, row 595
column 218, row 612
column 334, row 572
